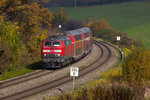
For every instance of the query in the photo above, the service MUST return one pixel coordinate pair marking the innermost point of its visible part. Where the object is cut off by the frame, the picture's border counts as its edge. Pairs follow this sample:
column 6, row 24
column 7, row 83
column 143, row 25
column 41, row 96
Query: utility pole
column 75, row 3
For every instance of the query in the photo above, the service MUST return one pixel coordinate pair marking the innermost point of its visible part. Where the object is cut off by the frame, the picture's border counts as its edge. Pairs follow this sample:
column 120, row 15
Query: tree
column 73, row 24
column 60, row 16
column 31, row 17
column 47, row 18
column 9, row 45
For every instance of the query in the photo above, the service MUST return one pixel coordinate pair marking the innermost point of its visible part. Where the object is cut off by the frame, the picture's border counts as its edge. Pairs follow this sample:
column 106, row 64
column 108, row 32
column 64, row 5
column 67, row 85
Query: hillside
column 130, row 17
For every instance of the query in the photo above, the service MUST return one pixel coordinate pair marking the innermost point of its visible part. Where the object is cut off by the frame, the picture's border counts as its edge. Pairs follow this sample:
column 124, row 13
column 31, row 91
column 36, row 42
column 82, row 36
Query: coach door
column 86, row 41
column 78, row 45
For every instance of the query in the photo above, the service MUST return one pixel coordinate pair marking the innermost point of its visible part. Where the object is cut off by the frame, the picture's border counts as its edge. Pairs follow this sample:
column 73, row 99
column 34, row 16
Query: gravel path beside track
column 78, row 81
column 58, row 74
column 50, row 77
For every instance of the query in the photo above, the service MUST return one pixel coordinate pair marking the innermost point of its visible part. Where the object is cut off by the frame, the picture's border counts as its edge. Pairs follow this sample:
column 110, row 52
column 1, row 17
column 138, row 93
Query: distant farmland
column 132, row 17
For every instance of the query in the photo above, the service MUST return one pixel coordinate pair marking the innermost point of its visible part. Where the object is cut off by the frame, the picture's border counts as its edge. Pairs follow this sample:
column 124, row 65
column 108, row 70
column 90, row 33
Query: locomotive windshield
column 47, row 43
column 56, row 43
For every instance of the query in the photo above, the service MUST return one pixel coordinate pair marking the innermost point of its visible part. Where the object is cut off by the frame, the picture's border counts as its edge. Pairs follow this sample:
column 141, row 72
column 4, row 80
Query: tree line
column 70, row 3
column 24, row 24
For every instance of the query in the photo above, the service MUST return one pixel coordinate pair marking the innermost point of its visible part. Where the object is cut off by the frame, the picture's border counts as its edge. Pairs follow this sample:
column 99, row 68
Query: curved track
column 103, row 58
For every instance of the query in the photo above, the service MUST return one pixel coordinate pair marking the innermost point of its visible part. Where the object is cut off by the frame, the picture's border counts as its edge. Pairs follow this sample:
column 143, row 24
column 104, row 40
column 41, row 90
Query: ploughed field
column 131, row 17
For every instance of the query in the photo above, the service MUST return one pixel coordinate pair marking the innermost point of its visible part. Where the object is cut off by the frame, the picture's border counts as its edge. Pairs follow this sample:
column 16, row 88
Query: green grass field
column 131, row 17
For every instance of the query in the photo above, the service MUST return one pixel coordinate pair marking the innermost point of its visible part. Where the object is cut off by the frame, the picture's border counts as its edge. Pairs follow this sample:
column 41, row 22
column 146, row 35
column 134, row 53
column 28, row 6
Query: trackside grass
column 21, row 71
column 14, row 73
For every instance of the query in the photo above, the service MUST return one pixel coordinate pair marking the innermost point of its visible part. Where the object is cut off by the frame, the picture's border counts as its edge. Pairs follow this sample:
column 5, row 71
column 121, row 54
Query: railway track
column 103, row 58
column 24, row 78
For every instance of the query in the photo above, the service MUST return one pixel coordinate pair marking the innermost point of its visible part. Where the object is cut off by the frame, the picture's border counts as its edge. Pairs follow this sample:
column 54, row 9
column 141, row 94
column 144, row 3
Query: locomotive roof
column 77, row 31
column 58, row 37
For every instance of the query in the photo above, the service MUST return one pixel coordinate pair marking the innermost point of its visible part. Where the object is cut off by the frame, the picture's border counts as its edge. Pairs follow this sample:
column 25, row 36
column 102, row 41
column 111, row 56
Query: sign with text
column 74, row 71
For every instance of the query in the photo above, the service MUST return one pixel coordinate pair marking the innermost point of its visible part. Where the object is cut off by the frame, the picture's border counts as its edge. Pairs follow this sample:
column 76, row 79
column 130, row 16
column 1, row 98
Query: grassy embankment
column 130, row 17
column 27, row 68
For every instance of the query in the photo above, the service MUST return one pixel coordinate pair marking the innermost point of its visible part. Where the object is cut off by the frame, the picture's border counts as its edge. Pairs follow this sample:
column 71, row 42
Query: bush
column 5, row 56
column 73, row 24
column 35, row 42
column 97, row 25
column 10, row 50
column 136, row 67
column 110, row 35
column 100, row 92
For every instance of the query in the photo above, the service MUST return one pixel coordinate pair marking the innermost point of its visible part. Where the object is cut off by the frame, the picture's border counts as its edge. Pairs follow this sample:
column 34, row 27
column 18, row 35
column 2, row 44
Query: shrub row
column 101, row 92
column 136, row 66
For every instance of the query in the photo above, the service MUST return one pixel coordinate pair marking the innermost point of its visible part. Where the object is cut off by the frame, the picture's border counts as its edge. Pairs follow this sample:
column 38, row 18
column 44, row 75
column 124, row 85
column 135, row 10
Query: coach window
column 86, row 35
column 77, row 37
column 47, row 43
column 56, row 43
column 91, row 32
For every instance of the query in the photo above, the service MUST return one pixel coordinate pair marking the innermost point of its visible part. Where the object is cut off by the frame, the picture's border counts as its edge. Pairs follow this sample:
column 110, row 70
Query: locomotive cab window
column 64, row 43
column 47, row 43
column 67, row 42
column 56, row 43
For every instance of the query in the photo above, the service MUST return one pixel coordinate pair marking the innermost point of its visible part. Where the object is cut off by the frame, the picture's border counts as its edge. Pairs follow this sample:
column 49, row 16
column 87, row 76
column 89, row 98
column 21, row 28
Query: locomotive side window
column 56, row 43
column 64, row 42
column 67, row 42
column 47, row 43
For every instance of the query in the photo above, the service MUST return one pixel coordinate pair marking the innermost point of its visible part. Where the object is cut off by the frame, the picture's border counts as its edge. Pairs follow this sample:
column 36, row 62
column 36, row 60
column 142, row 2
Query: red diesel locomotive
column 60, row 50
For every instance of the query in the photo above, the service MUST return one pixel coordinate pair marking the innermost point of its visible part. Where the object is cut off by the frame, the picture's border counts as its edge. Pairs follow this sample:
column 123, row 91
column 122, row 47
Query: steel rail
column 62, row 80
column 28, row 77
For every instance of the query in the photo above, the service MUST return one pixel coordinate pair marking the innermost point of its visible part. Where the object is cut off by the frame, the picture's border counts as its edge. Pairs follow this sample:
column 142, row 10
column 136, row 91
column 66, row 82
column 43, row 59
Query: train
column 66, row 47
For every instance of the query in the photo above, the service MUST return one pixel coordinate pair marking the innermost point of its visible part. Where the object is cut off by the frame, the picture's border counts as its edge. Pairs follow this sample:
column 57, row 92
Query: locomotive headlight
column 46, row 50
column 57, row 50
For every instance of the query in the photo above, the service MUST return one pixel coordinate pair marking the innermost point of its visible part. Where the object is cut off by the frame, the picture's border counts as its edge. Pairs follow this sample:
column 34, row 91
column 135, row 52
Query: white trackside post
column 59, row 26
column 74, row 71
column 118, row 39
column 73, row 82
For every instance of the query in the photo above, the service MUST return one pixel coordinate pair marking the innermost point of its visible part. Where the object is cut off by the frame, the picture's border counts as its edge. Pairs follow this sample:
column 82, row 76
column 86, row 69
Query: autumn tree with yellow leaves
column 30, row 15
column 136, row 67
column 9, row 45
column 23, row 23
column 97, row 25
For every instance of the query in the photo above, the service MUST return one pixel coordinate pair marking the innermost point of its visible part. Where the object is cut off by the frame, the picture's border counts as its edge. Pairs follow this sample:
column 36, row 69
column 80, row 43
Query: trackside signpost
column 74, row 71
column 118, row 38
column 59, row 26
